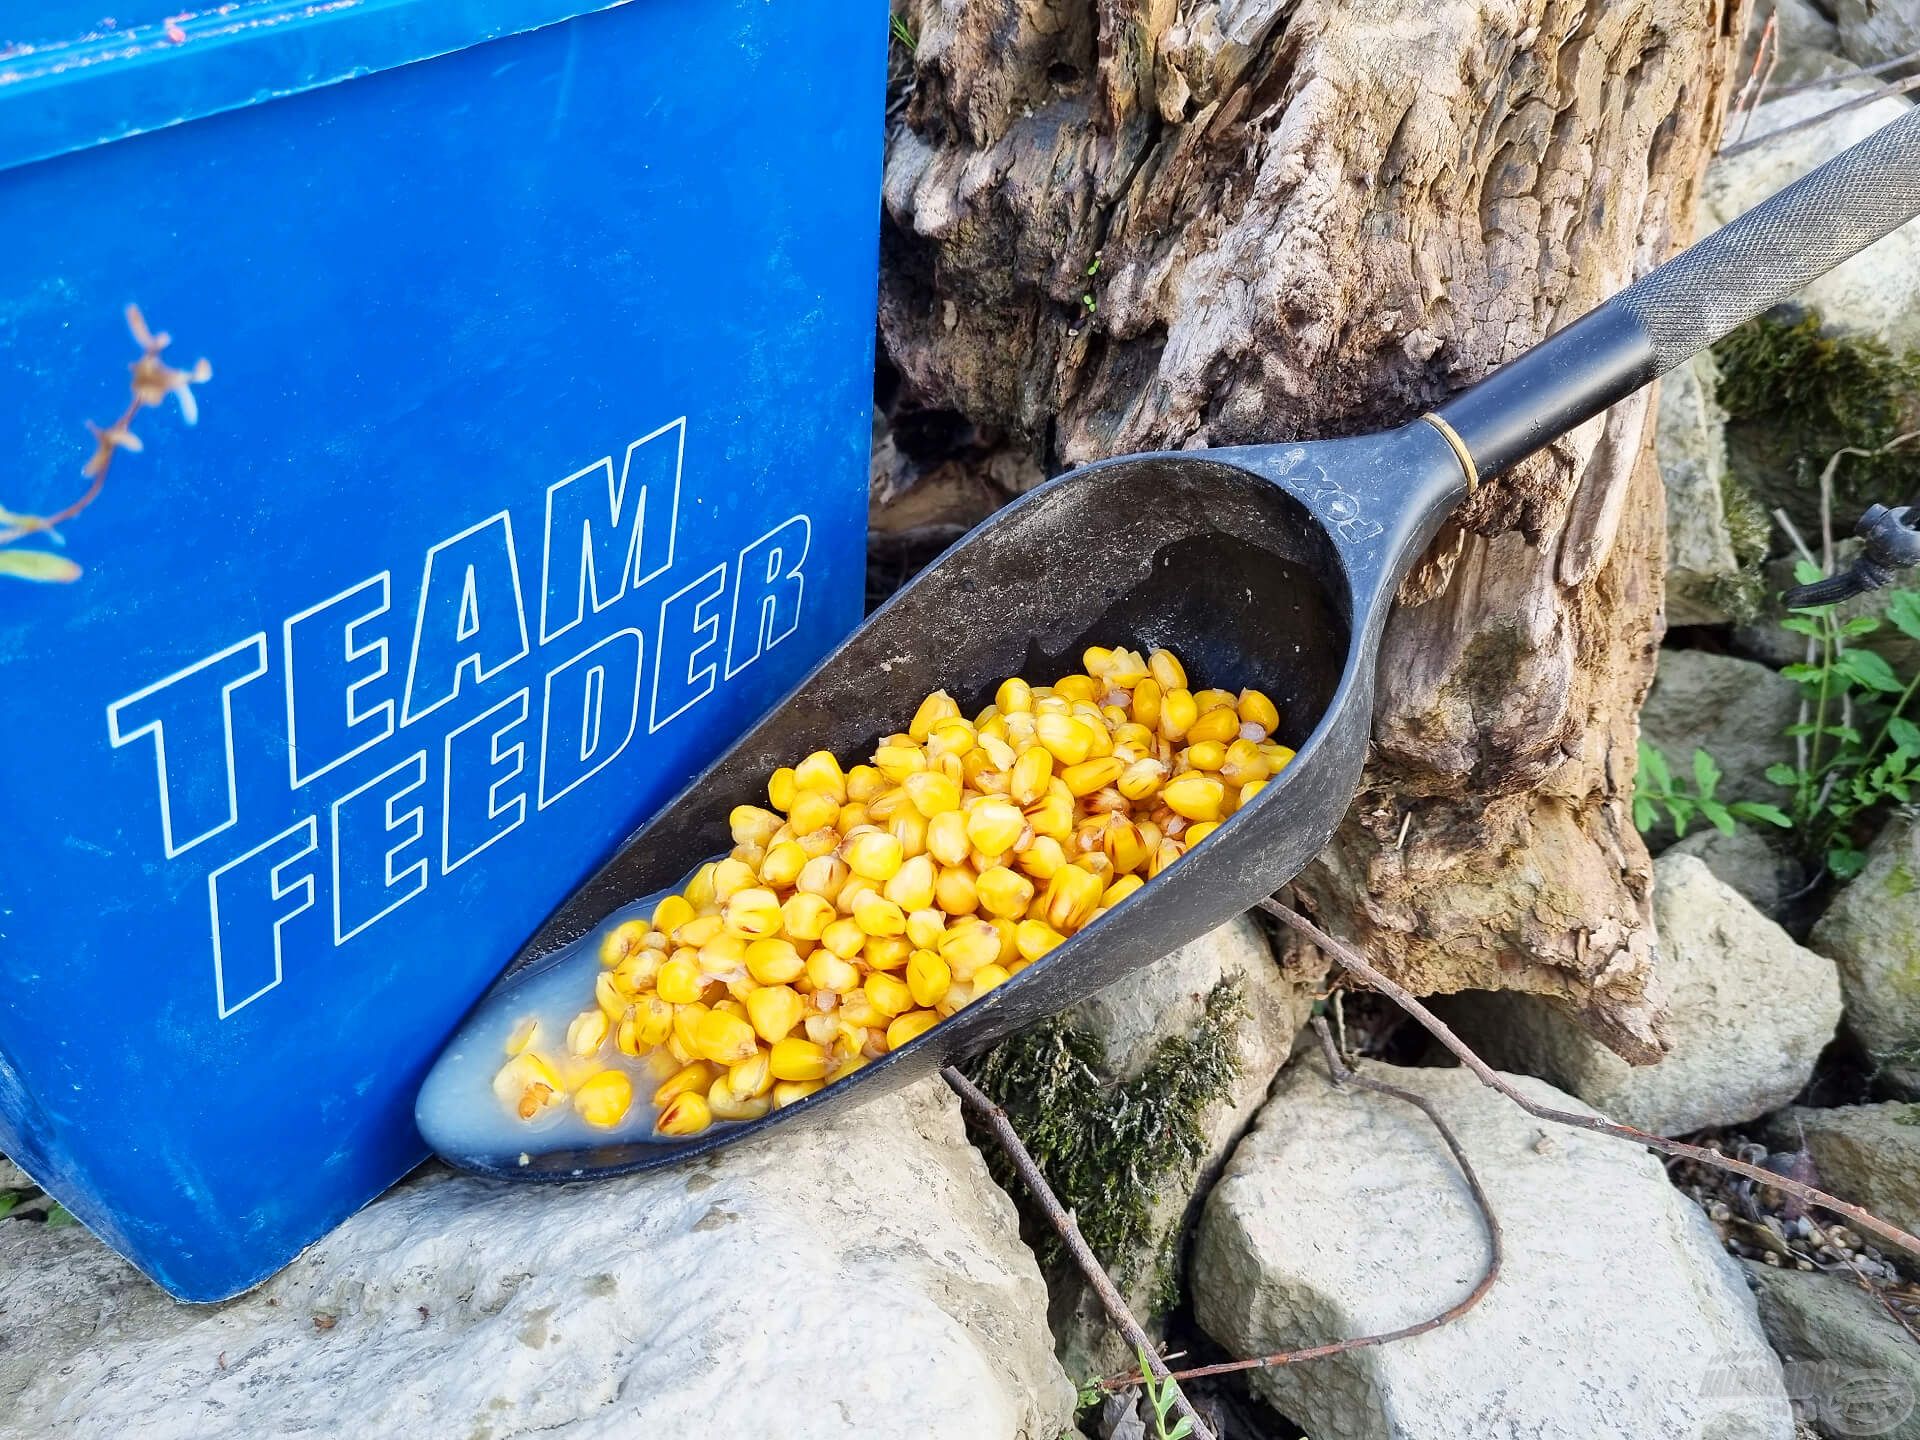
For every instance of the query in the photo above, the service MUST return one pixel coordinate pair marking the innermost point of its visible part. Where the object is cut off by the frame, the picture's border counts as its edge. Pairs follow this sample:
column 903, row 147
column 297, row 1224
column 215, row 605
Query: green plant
column 903, row 33
column 1161, row 1395
column 1656, row 791
column 1858, row 750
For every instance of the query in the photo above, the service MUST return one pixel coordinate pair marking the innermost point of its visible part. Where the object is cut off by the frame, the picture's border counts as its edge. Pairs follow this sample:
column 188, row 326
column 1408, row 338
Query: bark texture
column 1130, row 224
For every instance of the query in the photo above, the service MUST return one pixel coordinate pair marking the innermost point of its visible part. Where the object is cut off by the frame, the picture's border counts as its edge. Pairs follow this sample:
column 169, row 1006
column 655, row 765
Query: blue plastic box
column 530, row 466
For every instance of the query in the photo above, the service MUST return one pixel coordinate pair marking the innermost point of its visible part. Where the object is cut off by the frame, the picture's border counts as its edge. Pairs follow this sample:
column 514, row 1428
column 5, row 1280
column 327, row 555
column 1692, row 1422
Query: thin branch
column 1768, row 50
column 1068, row 1229
column 1898, row 87
column 1867, row 1282
column 1353, row 961
column 1843, row 76
column 1341, row 1075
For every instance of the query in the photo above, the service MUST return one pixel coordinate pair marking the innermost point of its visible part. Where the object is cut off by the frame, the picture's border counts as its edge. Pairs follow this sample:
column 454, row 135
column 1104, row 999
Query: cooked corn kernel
column 604, row 1099
column 686, row 1114
column 910, row 1026
column 797, row 1059
column 587, row 1033
column 529, row 1085
column 994, row 826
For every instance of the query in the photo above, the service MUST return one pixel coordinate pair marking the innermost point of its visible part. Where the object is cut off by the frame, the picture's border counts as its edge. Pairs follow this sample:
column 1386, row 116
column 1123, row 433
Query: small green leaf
column 41, row 565
column 1846, row 863
column 1717, row 815
column 1805, row 572
column 1759, row 810
column 1781, row 773
column 8, row 1199
column 1900, row 791
column 1859, row 625
column 1905, row 734
column 1654, row 766
column 1801, row 672
column 1681, row 808
column 1903, row 609
column 1869, row 670
column 1802, row 625
column 1644, row 817
column 1181, row 1430
column 60, row 1217
column 1706, row 774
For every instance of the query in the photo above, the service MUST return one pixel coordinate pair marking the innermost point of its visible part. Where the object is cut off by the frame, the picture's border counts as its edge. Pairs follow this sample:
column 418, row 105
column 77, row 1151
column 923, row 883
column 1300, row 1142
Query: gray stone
column 862, row 1277
column 1751, row 860
column 1871, row 31
column 1751, row 1013
column 1872, row 932
column 1616, row 1314
column 1691, row 446
column 1869, row 1154
column 1849, row 1366
column 1877, row 292
column 1132, row 1018
column 1733, row 709
column 1766, row 641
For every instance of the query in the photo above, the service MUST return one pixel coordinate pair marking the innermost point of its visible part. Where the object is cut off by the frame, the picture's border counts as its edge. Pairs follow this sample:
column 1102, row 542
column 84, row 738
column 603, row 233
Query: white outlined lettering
column 686, row 615
column 321, row 647
column 603, row 555
column 594, row 689
column 230, row 941
column 464, row 586
column 463, row 743
column 360, row 867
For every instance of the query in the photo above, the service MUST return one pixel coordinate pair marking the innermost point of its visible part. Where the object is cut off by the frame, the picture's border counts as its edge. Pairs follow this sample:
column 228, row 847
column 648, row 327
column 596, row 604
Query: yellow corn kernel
column 877, row 915
column 638, row 971
column 959, row 995
column 791, row 1092
column 1147, row 699
column 606, row 994
column 821, row 1026
column 1177, row 714
column 932, row 792
column 774, row 961
column 527, row 1084
column 928, row 978
column 909, row 827
column 823, row 876
column 847, row 1067
column 987, row 977
column 911, row 887
column 724, row 1104
column 1077, row 687
column 689, row 1079
column 782, row 864
column 955, row 892
column 724, row 1038
column 952, row 737
column 796, row 1059
column 1071, row 896
column 1164, row 854
column 1013, row 696
column 1220, row 725
column 624, row 940
column 522, row 1036
column 1208, row 755
column 671, row 913
column 886, row 952
column 1211, row 700
column 587, row 1033
column 857, row 1009
column 1248, row 791
column 853, row 817
column 863, row 783
column 995, row 826
column 936, row 707
column 697, row 931
column 813, row 811
column 969, row 944
column 649, row 1025
column 909, row 1027
column 1099, row 736
column 1027, row 781
column 1194, row 796
column 1070, row 740
column 884, row 806
column 1097, row 660
column 1141, row 779
column 604, row 1099
column 1008, row 930
column 1254, row 708
column 1128, row 669
column 925, row 927
column 897, row 762
column 1243, row 763
column 680, row 981
column 1196, row 833
column 1278, row 756
column 821, row 772
column 699, row 890
column 843, row 938
column 947, row 838
column 685, row 1115
column 1120, row 890
column 752, row 913
column 889, row 994
column 873, row 855
column 773, row 1011
column 752, row 825
column 1168, row 672
column 1034, row 938
column 781, row 788
column 1004, row 892
column 829, row 971
column 1040, row 859
column 1124, row 845
column 1091, row 775
column 751, row 1078
column 721, row 956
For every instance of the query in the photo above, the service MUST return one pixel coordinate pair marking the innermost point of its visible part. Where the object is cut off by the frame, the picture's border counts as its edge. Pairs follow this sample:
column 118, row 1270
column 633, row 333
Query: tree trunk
column 1132, row 224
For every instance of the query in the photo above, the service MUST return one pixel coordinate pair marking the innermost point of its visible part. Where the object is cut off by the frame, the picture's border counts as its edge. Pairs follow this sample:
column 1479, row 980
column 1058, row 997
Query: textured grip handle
column 1774, row 249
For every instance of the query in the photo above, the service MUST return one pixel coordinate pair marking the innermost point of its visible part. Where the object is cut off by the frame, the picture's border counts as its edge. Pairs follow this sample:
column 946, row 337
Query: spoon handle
column 1748, row 265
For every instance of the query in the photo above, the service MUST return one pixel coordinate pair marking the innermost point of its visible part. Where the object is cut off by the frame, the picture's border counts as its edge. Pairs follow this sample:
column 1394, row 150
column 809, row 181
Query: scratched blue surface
column 364, row 671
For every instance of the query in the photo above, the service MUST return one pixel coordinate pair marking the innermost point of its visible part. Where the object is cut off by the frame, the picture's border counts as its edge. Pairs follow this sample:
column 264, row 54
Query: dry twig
column 1350, row 959
column 1898, row 87
column 1069, row 1231
column 1340, row 1074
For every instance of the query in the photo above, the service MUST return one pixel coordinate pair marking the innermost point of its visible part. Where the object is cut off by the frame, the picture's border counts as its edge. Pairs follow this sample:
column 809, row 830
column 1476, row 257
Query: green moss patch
column 1109, row 1148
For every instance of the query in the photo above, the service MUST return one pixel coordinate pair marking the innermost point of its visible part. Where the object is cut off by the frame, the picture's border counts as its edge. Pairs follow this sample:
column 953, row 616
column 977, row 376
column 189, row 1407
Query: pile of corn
column 867, row 905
